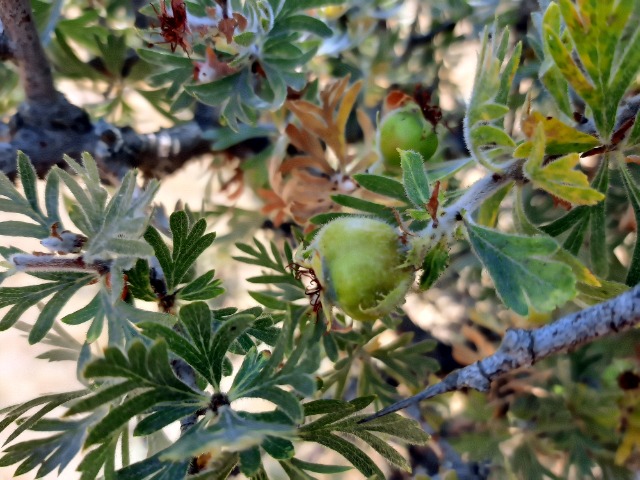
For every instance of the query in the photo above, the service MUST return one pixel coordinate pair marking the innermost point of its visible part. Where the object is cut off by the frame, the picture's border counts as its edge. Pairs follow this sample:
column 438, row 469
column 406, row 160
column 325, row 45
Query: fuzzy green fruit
column 360, row 264
column 405, row 129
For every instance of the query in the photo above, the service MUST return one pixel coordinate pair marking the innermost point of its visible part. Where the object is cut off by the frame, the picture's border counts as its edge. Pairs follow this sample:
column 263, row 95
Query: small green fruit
column 406, row 129
column 359, row 262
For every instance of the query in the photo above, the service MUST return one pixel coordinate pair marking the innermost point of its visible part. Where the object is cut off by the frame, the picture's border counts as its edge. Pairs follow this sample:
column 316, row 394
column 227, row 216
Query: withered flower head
column 304, row 181
column 174, row 28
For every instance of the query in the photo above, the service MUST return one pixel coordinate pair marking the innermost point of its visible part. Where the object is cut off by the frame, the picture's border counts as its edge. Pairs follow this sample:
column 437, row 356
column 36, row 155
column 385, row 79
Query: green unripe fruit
column 359, row 262
column 405, row 129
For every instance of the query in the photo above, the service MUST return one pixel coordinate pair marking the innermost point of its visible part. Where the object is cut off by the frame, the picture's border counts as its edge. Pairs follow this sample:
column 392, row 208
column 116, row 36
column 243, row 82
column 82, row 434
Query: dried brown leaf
column 303, row 183
column 324, row 121
column 304, row 141
column 227, row 27
column 305, row 161
column 310, row 116
column 241, row 21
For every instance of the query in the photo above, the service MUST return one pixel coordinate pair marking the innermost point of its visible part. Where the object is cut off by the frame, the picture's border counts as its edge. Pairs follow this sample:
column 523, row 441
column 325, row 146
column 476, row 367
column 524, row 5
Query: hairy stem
column 450, row 216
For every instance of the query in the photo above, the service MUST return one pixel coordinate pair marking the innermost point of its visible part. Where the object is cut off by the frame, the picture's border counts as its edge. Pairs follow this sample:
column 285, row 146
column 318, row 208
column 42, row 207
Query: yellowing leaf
column 328, row 121
column 631, row 438
column 567, row 65
column 538, row 318
column 559, row 177
column 598, row 54
column 580, row 271
column 560, row 137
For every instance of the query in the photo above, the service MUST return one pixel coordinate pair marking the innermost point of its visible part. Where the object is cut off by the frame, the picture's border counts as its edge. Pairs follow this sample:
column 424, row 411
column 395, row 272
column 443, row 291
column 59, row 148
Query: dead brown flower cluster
column 175, row 29
column 320, row 164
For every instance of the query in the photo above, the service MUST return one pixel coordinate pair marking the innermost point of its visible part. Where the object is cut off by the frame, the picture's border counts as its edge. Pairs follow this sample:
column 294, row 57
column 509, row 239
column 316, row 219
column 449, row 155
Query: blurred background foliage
column 574, row 416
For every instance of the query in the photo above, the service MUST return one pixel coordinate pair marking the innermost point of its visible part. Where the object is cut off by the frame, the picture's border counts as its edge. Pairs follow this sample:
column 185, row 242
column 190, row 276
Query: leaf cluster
column 111, row 243
column 264, row 60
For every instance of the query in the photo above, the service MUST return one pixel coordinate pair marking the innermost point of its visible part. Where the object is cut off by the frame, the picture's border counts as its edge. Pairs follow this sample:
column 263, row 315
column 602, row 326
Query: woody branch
column 34, row 69
column 46, row 125
column 522, row 348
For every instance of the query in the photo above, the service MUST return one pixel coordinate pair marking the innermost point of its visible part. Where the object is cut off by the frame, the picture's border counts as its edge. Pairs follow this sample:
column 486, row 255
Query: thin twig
column 25, row 262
